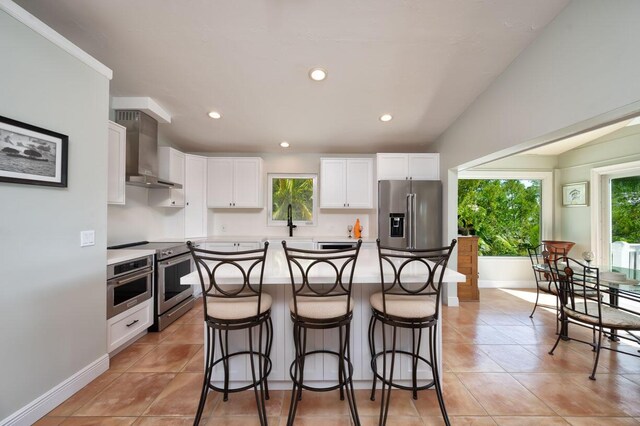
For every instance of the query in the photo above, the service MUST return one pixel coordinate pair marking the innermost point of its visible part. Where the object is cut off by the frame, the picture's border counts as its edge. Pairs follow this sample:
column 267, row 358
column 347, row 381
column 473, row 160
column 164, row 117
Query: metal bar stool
column 321, row 281
column 233, row 300
column 411, row 306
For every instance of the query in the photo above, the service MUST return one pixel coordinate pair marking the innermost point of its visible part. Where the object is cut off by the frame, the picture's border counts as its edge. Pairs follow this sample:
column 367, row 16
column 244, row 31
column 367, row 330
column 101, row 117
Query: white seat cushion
column 405, row 306
column 238, row 308
column 611, row 317
column 321, row 308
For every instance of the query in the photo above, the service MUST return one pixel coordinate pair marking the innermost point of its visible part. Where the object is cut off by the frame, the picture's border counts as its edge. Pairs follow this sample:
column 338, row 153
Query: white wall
column 581, row 70
column 53, row 300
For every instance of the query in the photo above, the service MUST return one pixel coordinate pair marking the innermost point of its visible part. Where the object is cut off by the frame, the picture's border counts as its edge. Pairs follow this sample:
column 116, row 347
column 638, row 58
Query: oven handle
column 127, row 280
column 171, row 262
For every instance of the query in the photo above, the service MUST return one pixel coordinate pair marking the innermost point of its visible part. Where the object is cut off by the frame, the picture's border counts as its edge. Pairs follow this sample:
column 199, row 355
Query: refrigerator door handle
column 414, row 222
column 409, row 225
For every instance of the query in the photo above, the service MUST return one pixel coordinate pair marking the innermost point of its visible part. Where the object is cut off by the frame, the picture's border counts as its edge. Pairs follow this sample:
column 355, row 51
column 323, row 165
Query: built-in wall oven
column 171, row 299
column 129, row 283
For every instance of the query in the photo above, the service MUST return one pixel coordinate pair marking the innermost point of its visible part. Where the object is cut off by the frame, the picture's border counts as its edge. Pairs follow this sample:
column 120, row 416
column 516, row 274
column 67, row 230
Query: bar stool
column 411, row 306
column 241, row 306
column 321, row 281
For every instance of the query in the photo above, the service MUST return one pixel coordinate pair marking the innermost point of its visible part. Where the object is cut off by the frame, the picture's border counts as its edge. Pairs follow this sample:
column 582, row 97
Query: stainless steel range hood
column 142, row 150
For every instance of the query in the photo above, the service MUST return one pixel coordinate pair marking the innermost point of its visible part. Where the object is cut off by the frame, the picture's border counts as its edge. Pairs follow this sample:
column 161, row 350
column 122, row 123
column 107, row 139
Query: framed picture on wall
column 32, row 155
column 575, row 194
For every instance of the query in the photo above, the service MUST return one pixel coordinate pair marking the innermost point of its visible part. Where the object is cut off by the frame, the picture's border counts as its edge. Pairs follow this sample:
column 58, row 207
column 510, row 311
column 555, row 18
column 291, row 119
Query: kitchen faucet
column 290, row 221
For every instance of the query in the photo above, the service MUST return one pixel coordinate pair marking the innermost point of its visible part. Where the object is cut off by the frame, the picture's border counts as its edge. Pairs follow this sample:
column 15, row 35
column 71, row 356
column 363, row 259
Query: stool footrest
column 386, row 381
column 323, row 389
column 265, row 371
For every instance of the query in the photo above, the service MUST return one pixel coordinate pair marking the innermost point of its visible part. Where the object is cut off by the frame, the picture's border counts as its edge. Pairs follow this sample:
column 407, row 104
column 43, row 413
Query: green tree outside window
column 625, row 209
column 295, row 191
column 505, row 214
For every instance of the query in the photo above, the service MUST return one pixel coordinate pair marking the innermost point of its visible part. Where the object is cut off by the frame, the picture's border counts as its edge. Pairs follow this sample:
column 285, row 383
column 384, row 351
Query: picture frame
column 575, row 194
column 32, row 155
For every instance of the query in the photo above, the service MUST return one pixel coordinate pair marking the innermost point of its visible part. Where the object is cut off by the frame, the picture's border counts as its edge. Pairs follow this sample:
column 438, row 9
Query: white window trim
column 270, row 177
column 546, row 197
column 600, row 214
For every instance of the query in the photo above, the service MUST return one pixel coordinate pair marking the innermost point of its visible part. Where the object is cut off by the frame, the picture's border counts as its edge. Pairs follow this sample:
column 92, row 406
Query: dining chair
column 321, row 282
column 234, row 302
column 584, row 300
column 540, row 256
column 410, row 306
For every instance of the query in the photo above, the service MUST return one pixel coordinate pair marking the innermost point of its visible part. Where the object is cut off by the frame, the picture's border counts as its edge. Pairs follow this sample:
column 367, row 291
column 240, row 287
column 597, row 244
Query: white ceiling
column 423, row 61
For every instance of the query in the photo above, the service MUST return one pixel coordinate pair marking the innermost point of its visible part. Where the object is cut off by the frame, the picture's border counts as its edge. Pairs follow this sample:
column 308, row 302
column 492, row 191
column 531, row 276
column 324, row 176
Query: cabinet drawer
column 123, row 327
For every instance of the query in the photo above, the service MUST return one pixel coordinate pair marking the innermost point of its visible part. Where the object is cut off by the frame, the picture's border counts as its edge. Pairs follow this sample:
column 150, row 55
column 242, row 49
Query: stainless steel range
column 172, row 262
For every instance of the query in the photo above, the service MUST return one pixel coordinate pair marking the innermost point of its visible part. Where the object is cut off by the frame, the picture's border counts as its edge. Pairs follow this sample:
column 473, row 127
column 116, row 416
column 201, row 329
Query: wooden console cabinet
column 468, row 265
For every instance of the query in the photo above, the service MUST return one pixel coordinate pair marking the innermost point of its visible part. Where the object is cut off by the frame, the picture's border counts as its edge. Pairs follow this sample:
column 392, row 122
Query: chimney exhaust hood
column 142, row 150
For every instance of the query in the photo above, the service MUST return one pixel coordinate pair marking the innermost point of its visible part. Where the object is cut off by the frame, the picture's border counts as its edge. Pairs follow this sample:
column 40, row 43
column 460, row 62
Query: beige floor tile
column 244, row 404
column 615, row 389
column 483, row 335
column 164, row 421
column 635, row 378
column 529, row 421
column 399, row 405
column 501, row 395
column 601, row 421
column 515, row 359
column 319, row 421
column 165, row 358
column 317, row 404
column 240, row 421
column 154, row 338
column 84, row 395
column 566, row 397
column 181, row 397
column 467, row 358
column 49, row 421
column 187, row 333
column 450, row 335
column 392, row 420
column 196, row 363
column 568, row 357
column 525, row 335
column 128, row 395
column 98, row 421
column 491, row 318
column 457, row 399
column 129, row 356
column 472, row 421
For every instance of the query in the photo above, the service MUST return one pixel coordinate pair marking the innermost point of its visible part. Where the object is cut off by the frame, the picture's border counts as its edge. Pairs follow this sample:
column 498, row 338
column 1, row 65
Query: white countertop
column 122, row 255
column 367, row 270
column 240, row 239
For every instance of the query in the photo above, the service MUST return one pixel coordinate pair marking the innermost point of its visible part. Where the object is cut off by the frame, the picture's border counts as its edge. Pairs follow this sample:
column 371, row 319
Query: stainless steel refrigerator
column 410, row 213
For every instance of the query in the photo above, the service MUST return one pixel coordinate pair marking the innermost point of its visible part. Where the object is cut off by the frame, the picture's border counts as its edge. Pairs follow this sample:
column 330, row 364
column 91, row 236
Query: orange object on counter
column 356, row 229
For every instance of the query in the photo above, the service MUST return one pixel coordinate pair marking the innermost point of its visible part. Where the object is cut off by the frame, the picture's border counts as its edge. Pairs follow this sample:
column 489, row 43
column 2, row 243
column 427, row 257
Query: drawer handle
column 129, row 325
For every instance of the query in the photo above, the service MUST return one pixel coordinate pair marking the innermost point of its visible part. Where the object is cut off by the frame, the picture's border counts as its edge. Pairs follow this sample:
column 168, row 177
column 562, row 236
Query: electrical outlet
column 87, row 238
column 223, row 228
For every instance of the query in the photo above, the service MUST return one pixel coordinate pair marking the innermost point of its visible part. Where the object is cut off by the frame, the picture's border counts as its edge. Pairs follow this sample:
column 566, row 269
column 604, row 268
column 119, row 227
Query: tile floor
column 497, row 372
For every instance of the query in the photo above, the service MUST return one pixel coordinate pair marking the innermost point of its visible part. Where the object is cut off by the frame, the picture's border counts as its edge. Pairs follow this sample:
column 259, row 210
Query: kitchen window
column 299, row 190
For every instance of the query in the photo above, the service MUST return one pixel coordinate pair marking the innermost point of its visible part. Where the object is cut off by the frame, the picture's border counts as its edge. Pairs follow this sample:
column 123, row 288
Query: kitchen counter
column 122, row 255
column 240, row 239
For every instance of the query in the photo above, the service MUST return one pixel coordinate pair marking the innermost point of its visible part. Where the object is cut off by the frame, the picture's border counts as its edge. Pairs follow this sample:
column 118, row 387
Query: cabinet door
column 116, row 151
column 248, row 245
column 393, row 166
column 176, row 175
column 224, row 247
column 195, row 211
column 220, row 182
column 333, row 187
column 424, row 166
column 247, row 183
column 359, row 186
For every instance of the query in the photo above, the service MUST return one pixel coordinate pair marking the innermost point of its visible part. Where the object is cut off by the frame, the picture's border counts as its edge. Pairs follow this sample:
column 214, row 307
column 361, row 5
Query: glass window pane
column 504, row 213
column 295, row 191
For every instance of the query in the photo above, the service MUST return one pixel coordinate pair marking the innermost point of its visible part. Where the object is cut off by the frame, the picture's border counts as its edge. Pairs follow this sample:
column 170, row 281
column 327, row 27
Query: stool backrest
column 321, row 273
column 230, row 274
column 428, row 263
column 578, row 286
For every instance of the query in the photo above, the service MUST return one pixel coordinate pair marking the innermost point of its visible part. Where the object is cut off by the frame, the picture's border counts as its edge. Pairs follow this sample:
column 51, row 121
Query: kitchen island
column 318, row 369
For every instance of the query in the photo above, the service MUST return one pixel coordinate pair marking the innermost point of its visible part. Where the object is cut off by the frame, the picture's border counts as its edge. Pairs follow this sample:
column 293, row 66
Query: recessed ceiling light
column 318, row 74
column 284, row 144
column 215, row 114
column 386, row 117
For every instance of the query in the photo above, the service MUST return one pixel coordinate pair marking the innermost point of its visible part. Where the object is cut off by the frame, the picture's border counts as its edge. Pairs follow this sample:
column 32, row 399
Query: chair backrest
column 539, row 255
column 321, row 273
column 228, row 275
column 578, row 286
column 428, row 263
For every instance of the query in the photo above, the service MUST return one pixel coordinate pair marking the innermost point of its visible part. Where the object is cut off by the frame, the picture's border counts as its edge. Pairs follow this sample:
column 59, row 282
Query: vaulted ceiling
column 423, row 61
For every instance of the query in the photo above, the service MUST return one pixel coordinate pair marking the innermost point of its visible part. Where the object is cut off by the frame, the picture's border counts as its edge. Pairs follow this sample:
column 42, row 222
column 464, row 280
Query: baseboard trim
column 39, row 407
column 506, row 284
column 453, row 301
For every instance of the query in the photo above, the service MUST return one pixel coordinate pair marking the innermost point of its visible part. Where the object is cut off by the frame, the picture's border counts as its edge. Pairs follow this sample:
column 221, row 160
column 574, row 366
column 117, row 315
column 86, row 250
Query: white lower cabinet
column 126, row 325
column 230, row 246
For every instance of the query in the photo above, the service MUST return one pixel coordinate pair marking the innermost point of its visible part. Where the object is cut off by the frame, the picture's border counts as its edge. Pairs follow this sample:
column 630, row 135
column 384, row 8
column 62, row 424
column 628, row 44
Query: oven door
column 169, row 290
column 127, row 291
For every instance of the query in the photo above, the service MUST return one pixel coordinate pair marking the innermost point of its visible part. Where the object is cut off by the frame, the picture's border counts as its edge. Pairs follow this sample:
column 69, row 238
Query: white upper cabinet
column 171, row 168
column 418, row 166
column 116, row 163
column 346, row 183
column 234, row 182
column 195, row 194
